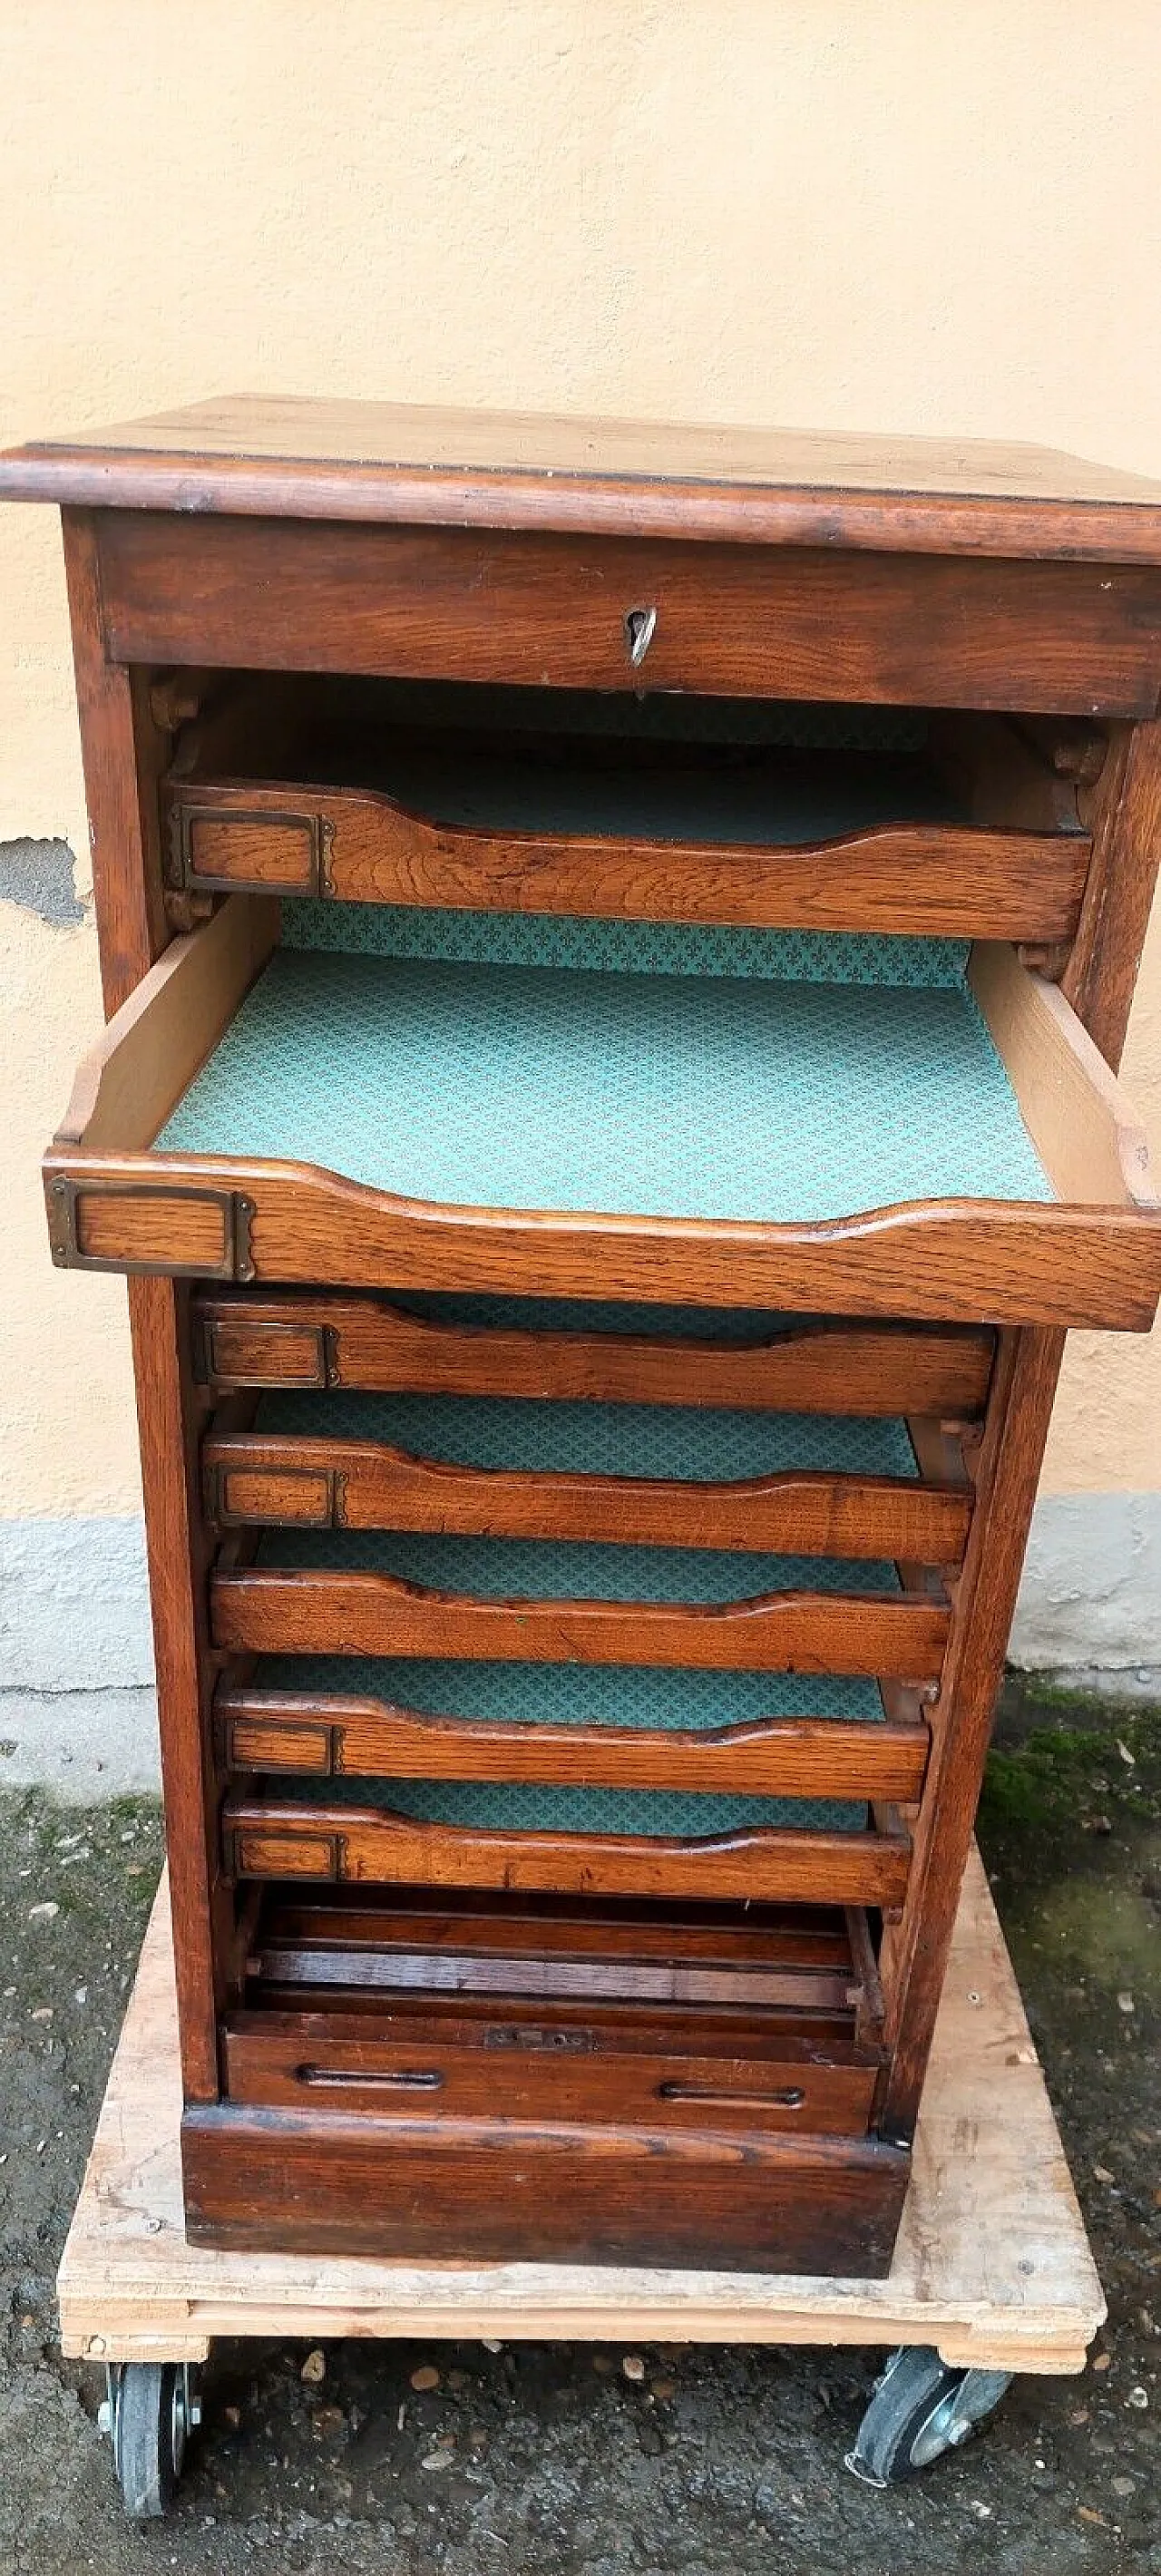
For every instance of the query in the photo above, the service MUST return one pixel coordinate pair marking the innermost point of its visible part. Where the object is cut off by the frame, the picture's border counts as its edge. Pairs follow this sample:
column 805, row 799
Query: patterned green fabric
column 734, row 1327
column 541, row 1569
column 636, row 1695
column 732, row 798
column 643, row 1095
column 597, row 1439
column 500, row 1806
column 623, row 947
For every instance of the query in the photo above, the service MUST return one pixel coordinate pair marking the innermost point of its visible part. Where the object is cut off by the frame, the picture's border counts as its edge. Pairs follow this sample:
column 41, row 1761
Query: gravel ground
column 581, row 2462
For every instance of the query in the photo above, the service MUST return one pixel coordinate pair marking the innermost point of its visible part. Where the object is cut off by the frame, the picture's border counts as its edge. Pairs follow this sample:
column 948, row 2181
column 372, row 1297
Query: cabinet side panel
column 122, row 757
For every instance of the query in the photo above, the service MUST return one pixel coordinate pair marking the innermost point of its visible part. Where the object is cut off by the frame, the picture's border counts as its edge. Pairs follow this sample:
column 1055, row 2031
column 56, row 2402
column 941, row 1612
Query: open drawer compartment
column 686, row 810
column 513, row 1467
column 961, row 1154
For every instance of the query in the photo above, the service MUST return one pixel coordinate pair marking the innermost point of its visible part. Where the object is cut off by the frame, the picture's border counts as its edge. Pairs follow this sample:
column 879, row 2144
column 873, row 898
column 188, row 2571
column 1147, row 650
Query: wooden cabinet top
column 282, row 457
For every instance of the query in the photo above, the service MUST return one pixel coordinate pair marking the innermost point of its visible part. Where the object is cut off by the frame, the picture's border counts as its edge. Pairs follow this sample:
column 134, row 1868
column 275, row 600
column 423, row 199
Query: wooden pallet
column 992, row 2264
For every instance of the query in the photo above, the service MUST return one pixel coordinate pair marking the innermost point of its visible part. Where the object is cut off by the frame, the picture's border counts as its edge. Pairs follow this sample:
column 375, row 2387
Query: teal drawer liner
column 728, row 1327
column 531, row 1433
column 640, row 1095
column 729, row 795
column 498, row 1806
column 623, row 1695
column 541, row 1569
column 598, row 945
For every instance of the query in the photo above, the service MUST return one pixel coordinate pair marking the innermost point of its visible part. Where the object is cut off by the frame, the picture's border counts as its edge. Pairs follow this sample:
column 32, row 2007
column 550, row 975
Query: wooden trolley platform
column 992, row 2266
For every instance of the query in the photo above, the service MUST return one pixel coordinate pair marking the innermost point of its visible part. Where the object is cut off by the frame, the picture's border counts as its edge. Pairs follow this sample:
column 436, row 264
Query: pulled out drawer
column 955, row 1154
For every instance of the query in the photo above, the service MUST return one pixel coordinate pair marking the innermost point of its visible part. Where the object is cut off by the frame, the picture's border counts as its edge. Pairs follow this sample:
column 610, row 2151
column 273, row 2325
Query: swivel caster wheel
column 920, row 2409
column 149, row 2412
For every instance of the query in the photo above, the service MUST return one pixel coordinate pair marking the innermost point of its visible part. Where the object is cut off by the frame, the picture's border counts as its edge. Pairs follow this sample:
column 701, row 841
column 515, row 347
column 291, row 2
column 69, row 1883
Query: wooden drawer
column 558, row 1602
column 1088, row 1251
column 268, row 1834
column 591, row 1354
column 967, row 831
column 583, row 2062
column 552, row 1724
column 515, row 1468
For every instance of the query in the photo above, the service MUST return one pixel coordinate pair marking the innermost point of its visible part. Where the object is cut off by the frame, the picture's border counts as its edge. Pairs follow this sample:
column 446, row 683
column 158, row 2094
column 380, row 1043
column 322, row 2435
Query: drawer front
column 528, row 2067
column 378, row 1347
column 274, row 1609
column 262, row 1477
column 930, row 880
column 732, row 620
column 320, row 1735
column 272, row 1837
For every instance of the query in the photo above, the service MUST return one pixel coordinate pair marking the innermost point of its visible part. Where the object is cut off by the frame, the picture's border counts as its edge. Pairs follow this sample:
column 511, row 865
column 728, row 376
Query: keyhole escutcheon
column 640, row 628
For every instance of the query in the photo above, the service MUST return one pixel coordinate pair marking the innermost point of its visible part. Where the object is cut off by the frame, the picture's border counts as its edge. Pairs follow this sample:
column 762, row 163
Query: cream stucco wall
column 871, row 214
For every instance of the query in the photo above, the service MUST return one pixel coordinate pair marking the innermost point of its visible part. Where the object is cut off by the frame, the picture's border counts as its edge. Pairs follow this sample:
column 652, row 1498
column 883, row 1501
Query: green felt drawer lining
column 532, row 1434
column 642, row 1095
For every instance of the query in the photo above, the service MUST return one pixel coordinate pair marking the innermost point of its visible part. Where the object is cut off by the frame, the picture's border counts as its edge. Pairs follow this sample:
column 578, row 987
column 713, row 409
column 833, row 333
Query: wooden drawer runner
column 1091, row 1254
column 351, row 1951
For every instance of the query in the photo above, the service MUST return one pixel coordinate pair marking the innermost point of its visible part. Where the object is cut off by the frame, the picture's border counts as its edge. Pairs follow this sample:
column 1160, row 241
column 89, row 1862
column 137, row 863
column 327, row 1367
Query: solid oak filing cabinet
column 618, row 943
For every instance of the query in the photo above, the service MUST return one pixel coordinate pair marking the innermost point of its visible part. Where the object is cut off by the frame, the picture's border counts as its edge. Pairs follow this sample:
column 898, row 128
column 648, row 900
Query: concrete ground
column 575, row 2462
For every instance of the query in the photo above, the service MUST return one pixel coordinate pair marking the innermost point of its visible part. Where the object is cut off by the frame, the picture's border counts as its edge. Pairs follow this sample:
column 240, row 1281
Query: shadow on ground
column 541, row 2458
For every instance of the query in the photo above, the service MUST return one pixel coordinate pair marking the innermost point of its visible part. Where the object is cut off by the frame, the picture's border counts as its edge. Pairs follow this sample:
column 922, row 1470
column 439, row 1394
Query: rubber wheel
column 149, row 2435
column 921, row 2409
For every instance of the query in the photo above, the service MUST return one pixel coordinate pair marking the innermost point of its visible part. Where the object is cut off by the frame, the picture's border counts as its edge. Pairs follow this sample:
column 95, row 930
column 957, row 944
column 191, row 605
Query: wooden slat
column 150, row 1051
column 807, row 1367
column 1083, row 1126
column 932, row 879
column 296, row 1610
column 264, row 1730
column 274, row 1838
column 369, row 1485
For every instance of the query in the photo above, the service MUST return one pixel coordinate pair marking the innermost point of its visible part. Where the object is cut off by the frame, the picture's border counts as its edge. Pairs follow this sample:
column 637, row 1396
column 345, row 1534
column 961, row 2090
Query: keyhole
column 640, row 628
